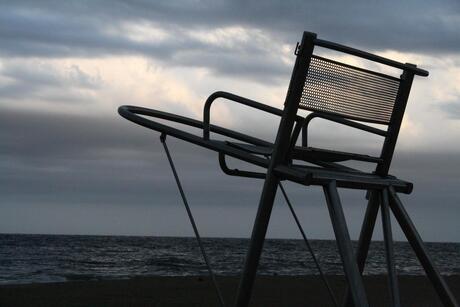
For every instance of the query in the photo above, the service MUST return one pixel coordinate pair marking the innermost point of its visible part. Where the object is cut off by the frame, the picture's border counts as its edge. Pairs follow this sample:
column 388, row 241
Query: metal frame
column 278, row 160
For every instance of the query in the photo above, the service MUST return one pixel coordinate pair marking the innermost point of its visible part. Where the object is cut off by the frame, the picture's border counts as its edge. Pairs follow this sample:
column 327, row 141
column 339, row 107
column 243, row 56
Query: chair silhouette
column 343, row 94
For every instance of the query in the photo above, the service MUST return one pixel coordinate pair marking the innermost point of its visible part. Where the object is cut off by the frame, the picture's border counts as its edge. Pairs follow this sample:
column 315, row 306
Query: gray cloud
column 26, row 35
column 44, row 82
column 92, row 29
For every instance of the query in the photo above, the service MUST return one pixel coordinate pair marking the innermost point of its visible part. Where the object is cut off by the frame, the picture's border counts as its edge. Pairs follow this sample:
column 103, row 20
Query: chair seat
column 327, row 155
column 308, row 154
column 258, row 150
column 313, row 175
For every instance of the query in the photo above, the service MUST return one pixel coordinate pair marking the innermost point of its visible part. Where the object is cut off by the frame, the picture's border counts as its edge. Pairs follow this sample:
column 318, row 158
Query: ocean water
column 52, row 258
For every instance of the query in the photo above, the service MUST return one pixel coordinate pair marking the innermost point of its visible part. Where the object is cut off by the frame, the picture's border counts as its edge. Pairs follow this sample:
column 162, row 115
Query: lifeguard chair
column 353, row 96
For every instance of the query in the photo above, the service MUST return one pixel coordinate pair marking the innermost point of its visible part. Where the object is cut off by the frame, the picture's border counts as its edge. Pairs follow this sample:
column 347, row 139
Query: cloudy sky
column 69, row 164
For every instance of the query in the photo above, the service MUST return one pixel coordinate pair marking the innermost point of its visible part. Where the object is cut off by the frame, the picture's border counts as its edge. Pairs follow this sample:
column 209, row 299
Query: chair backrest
column 326, row 86
column 347, row 91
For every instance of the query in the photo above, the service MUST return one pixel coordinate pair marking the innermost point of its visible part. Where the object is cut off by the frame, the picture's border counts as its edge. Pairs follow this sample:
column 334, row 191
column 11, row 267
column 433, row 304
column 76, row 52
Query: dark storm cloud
column 62, row 144
column 95, row 28
column 417, row 25
column 102, row 169
column 64, row 158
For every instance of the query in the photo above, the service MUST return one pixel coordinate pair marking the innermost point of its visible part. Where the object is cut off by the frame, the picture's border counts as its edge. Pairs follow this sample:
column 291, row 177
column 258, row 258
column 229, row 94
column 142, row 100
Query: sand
column 197, row 291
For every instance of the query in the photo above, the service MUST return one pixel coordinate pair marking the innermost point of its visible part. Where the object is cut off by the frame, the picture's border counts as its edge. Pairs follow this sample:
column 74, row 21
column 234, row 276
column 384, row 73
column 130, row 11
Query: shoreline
column 402, row 240
column 198, row 291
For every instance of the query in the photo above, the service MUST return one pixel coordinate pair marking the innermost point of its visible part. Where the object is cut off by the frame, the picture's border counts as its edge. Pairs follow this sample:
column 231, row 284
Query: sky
column 69, row 164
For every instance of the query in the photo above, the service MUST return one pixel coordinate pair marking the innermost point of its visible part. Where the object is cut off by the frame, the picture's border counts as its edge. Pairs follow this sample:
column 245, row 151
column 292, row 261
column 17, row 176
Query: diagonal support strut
column 307, row 243
column 416, row 242
column 192, row 221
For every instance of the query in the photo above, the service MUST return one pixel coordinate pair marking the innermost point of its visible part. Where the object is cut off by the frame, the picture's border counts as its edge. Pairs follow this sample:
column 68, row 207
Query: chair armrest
column 338, row 120
column 237, row 172
column 236, row 98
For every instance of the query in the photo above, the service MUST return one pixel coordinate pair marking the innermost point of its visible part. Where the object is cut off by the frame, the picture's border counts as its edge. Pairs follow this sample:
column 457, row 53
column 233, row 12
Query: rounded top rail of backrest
column 369, row 56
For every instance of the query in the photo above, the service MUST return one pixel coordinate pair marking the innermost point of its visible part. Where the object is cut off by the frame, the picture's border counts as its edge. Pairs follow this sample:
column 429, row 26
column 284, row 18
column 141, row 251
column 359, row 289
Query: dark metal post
column 416, row 242
column 365, row 236
column 388, row 241
column 395, row 122
column 352, row 274
column 279, row 156
column 367, row 229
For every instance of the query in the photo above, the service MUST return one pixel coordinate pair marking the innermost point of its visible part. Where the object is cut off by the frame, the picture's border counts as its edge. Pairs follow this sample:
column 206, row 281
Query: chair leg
column 365, row 236
column 416, row 242
column 367, row 229
column 388, row 241
column 257, row 240
column 352, row 274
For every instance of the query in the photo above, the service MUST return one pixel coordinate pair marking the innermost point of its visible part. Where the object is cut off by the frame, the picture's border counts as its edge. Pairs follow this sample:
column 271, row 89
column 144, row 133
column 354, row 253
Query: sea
column 60, row 258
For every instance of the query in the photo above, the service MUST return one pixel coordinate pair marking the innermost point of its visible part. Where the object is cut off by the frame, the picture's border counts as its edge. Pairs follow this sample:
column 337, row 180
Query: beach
column 198, row 292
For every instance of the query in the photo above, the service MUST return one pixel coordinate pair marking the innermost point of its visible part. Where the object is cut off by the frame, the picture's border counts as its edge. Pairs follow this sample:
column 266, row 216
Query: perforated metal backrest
column 348, row 91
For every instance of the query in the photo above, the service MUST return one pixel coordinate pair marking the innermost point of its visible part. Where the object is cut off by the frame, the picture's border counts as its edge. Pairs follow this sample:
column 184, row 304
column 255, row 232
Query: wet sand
column 198, row 292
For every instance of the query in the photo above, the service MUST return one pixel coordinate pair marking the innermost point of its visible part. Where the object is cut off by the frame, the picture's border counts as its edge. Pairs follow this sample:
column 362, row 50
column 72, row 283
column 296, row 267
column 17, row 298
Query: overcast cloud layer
column 70, row 164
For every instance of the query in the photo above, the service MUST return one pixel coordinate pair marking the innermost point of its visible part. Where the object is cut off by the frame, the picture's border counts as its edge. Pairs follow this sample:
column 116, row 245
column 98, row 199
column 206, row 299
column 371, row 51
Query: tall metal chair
column 337, row 92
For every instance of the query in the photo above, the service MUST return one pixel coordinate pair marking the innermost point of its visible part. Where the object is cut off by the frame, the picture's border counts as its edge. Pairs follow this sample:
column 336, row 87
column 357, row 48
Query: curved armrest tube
column 131, row 113
column 237, row 172
column 236, row 98
column 337, row 120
